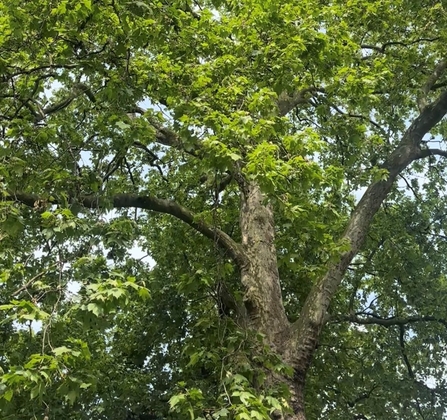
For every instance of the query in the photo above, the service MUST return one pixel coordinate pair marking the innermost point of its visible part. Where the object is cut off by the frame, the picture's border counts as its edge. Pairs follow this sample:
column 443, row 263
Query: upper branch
column 313, row 315
column 428, row 118
column 287, row 103
column 166, row 136
column 359, row 116
column 154, row 204
column 381, row 49
column 78, row 90
column 428, row 85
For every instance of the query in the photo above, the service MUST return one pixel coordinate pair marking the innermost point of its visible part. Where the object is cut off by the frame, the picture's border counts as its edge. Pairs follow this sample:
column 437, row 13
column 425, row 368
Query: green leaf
column 222, row 413
column 36, row 391
column 175, row 400
column 144, row 293
column 71, row 396
column 58, row 351
column 96, row 309
column 8, row 394
column 122, row 125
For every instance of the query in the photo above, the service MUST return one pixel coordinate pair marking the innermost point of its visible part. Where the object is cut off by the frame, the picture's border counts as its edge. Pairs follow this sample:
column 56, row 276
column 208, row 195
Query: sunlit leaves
column 24, row 310
column 40, row 372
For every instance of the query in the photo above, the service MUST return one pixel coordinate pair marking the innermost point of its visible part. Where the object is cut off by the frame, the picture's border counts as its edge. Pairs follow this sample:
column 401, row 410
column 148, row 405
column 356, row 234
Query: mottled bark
column 260, row 275
column 296, row 387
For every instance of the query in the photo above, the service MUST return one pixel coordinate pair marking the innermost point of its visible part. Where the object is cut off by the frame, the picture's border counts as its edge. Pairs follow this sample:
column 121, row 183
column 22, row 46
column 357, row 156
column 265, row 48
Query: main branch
column 153, row 204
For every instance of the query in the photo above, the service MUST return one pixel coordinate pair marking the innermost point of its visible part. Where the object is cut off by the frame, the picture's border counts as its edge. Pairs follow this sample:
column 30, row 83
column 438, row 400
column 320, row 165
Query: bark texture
column 260, row 275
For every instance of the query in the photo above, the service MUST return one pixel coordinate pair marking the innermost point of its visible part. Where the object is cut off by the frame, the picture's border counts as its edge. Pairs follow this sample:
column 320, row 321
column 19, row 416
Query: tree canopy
column 223, row 209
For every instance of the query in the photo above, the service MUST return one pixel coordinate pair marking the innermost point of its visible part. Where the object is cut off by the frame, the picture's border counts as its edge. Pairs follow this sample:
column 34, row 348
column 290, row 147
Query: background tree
column 246, row 147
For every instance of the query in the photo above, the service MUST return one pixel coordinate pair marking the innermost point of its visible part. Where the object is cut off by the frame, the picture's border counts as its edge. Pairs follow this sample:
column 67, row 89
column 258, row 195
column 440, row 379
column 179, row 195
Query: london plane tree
column 223, row 209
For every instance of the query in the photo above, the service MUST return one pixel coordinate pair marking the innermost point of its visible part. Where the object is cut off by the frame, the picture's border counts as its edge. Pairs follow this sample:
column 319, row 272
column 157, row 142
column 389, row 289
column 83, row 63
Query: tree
column 283, row 166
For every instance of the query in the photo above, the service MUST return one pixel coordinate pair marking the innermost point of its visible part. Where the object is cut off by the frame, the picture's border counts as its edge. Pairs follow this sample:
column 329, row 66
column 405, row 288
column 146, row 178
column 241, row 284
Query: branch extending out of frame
column 307, row 328
column 19, row 71
column 431, row 152
column 434, row 77
column 374, row 319
column 159, row 205
column 359, row 116
column 439, row 85
column 382, row 48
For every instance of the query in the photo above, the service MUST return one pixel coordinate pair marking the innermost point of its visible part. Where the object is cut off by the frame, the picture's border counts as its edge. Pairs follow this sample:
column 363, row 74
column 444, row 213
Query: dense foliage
column 133, row 134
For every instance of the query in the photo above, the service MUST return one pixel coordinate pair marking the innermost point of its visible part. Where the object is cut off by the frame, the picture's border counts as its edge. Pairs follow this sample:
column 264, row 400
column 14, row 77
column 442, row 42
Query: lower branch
column 373, row 319
column 153, row 204
column 432, row 152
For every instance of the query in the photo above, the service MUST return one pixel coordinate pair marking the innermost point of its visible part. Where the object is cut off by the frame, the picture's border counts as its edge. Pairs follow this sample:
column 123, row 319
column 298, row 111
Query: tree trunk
column 297, row 343
column 263, row 300
column 260, row 275
column 296, row 387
